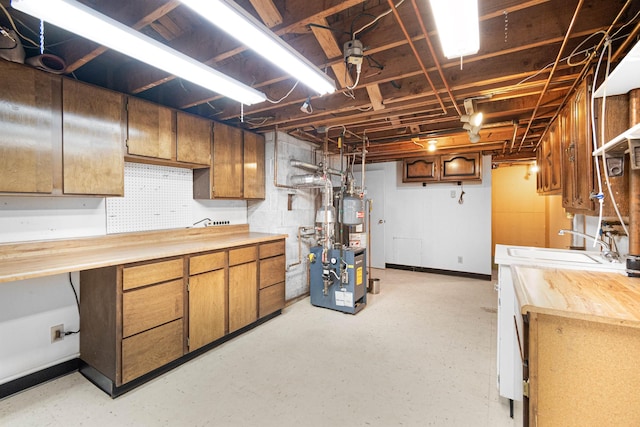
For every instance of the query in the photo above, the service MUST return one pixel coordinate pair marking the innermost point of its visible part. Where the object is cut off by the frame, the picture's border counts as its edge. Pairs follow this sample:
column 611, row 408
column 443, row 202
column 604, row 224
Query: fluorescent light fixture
column 236, row 22
column 88, row 23
column 458, row 29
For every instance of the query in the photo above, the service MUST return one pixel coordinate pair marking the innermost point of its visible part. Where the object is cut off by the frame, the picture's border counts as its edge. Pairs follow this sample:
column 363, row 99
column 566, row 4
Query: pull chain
column 41, row 37
column 506, row 25
column 241, row 112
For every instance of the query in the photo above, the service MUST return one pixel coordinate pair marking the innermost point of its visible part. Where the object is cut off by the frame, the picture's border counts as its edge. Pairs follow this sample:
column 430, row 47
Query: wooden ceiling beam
column 268, row 12
column 138, row 15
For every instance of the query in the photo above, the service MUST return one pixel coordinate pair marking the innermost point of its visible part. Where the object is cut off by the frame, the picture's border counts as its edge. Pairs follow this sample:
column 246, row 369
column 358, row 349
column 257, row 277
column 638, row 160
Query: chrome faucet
column 607, row 253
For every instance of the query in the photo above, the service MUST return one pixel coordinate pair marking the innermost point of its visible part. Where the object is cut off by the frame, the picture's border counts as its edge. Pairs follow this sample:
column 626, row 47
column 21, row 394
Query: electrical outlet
column 453, row 194
column 459, row 260
column 57, row 333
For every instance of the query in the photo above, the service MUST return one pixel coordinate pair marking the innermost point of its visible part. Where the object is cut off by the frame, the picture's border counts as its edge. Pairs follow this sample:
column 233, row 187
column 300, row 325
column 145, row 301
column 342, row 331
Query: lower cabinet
column 136, row 318
column 272, row 278
column 207, row 298
column 580, row 372
column 132, row 318
column 243, row 287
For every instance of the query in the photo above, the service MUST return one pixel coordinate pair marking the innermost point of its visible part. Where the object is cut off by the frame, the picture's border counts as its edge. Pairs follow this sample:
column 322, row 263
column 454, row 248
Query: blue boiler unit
column 338, row 279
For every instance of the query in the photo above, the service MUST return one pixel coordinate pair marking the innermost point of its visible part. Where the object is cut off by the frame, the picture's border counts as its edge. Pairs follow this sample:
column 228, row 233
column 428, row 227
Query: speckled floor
column 423, row 352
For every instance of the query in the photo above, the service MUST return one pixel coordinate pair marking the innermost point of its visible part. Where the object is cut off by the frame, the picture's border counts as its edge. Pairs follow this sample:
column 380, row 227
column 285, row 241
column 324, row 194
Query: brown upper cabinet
column 193, row 141
column 549, row 159
column 150, row 130
column 443, row 168
column 92, row 140
column 158, row 134
column 31, row 135
column 253, row 162
column 577, row 161
column 423, row 169
column 227, row 179
column 237, row 166
column 460, row 167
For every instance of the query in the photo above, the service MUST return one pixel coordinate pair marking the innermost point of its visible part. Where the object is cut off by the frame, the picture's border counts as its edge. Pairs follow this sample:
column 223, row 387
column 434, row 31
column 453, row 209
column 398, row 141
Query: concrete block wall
column 273, row 215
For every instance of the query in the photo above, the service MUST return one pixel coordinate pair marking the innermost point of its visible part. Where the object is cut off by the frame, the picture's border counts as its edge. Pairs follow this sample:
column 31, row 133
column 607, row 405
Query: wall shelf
column 619, row 144
column 624, row 77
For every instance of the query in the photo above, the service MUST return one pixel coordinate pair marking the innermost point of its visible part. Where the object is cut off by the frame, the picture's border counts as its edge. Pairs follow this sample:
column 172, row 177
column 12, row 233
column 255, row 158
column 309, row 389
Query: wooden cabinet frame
column 443, row 168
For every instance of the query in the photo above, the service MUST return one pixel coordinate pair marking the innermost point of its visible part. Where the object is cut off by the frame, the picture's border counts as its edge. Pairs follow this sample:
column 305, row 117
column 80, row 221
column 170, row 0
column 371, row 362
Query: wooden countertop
column 602, row 297
column 27, row 260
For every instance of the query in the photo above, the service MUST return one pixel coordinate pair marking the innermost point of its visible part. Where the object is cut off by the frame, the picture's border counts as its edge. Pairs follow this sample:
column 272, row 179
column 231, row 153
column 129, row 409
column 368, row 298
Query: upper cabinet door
column 460, row 167
column 30, row 123
column 194, row 139
column 93, row 135
column 227, row 162
column 253, row 166
column 150, row 130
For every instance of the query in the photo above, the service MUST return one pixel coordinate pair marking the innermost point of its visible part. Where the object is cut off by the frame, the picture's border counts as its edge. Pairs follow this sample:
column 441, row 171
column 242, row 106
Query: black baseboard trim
column 438, row 271
column 36, row 378
column 108, row 386
column 104, row 383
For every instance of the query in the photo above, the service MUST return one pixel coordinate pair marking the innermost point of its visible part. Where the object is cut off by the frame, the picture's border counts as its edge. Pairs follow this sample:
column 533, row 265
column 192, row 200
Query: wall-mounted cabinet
column 253, row 166
column 423, row 169
column 59, row 136
column 193, row 139
column 150, row 130
column 577, row 162
column 237, row 166
column 443, row 168
column 31, row 138
column 549, row 159
column 92, row 134
column 158, row 134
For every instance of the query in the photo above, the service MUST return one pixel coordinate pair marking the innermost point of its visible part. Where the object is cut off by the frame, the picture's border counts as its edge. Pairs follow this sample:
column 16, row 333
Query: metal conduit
column 553, row 69
column 587, row 64
column 415, row 53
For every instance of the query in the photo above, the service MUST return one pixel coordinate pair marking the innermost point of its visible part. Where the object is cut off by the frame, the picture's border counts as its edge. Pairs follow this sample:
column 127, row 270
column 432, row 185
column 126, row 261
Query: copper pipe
column 634, row 182
column 587, row 64
column 553, row 69
column 515, row 136
column 435, row 58
column 415, row 53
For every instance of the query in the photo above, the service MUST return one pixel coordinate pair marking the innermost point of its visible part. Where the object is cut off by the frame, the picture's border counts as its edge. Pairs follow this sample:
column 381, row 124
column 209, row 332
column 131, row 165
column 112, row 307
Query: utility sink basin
column 554, row 255
column 555, row 258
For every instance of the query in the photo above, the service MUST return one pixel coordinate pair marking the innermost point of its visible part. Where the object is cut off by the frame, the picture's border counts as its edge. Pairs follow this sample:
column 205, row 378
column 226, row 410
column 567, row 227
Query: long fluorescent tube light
column 458, row 28
column 236, row 22
column 86, row 22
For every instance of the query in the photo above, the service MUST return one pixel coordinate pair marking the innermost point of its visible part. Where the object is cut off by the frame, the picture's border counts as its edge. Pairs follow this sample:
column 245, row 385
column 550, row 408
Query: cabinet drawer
column 152, row 349
column 272, row 249
column 271, row 271
column 148, row 274
column 207, row 262
column 242, row 255
column 146, row 308
column 271, row 299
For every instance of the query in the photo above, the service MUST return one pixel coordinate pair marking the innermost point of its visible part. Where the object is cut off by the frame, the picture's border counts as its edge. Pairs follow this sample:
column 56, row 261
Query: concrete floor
column 423, row 352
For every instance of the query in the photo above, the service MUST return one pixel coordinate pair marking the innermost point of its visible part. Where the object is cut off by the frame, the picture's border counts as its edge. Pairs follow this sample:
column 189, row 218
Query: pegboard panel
column 155, row 198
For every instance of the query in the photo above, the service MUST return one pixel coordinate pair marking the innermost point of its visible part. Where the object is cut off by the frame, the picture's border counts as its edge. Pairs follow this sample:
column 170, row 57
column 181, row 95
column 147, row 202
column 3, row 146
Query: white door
column 375, row 193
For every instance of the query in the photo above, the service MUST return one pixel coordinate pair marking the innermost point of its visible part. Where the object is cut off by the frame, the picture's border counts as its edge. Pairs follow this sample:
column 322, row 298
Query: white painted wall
column 29, row 308
column 427, row 227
